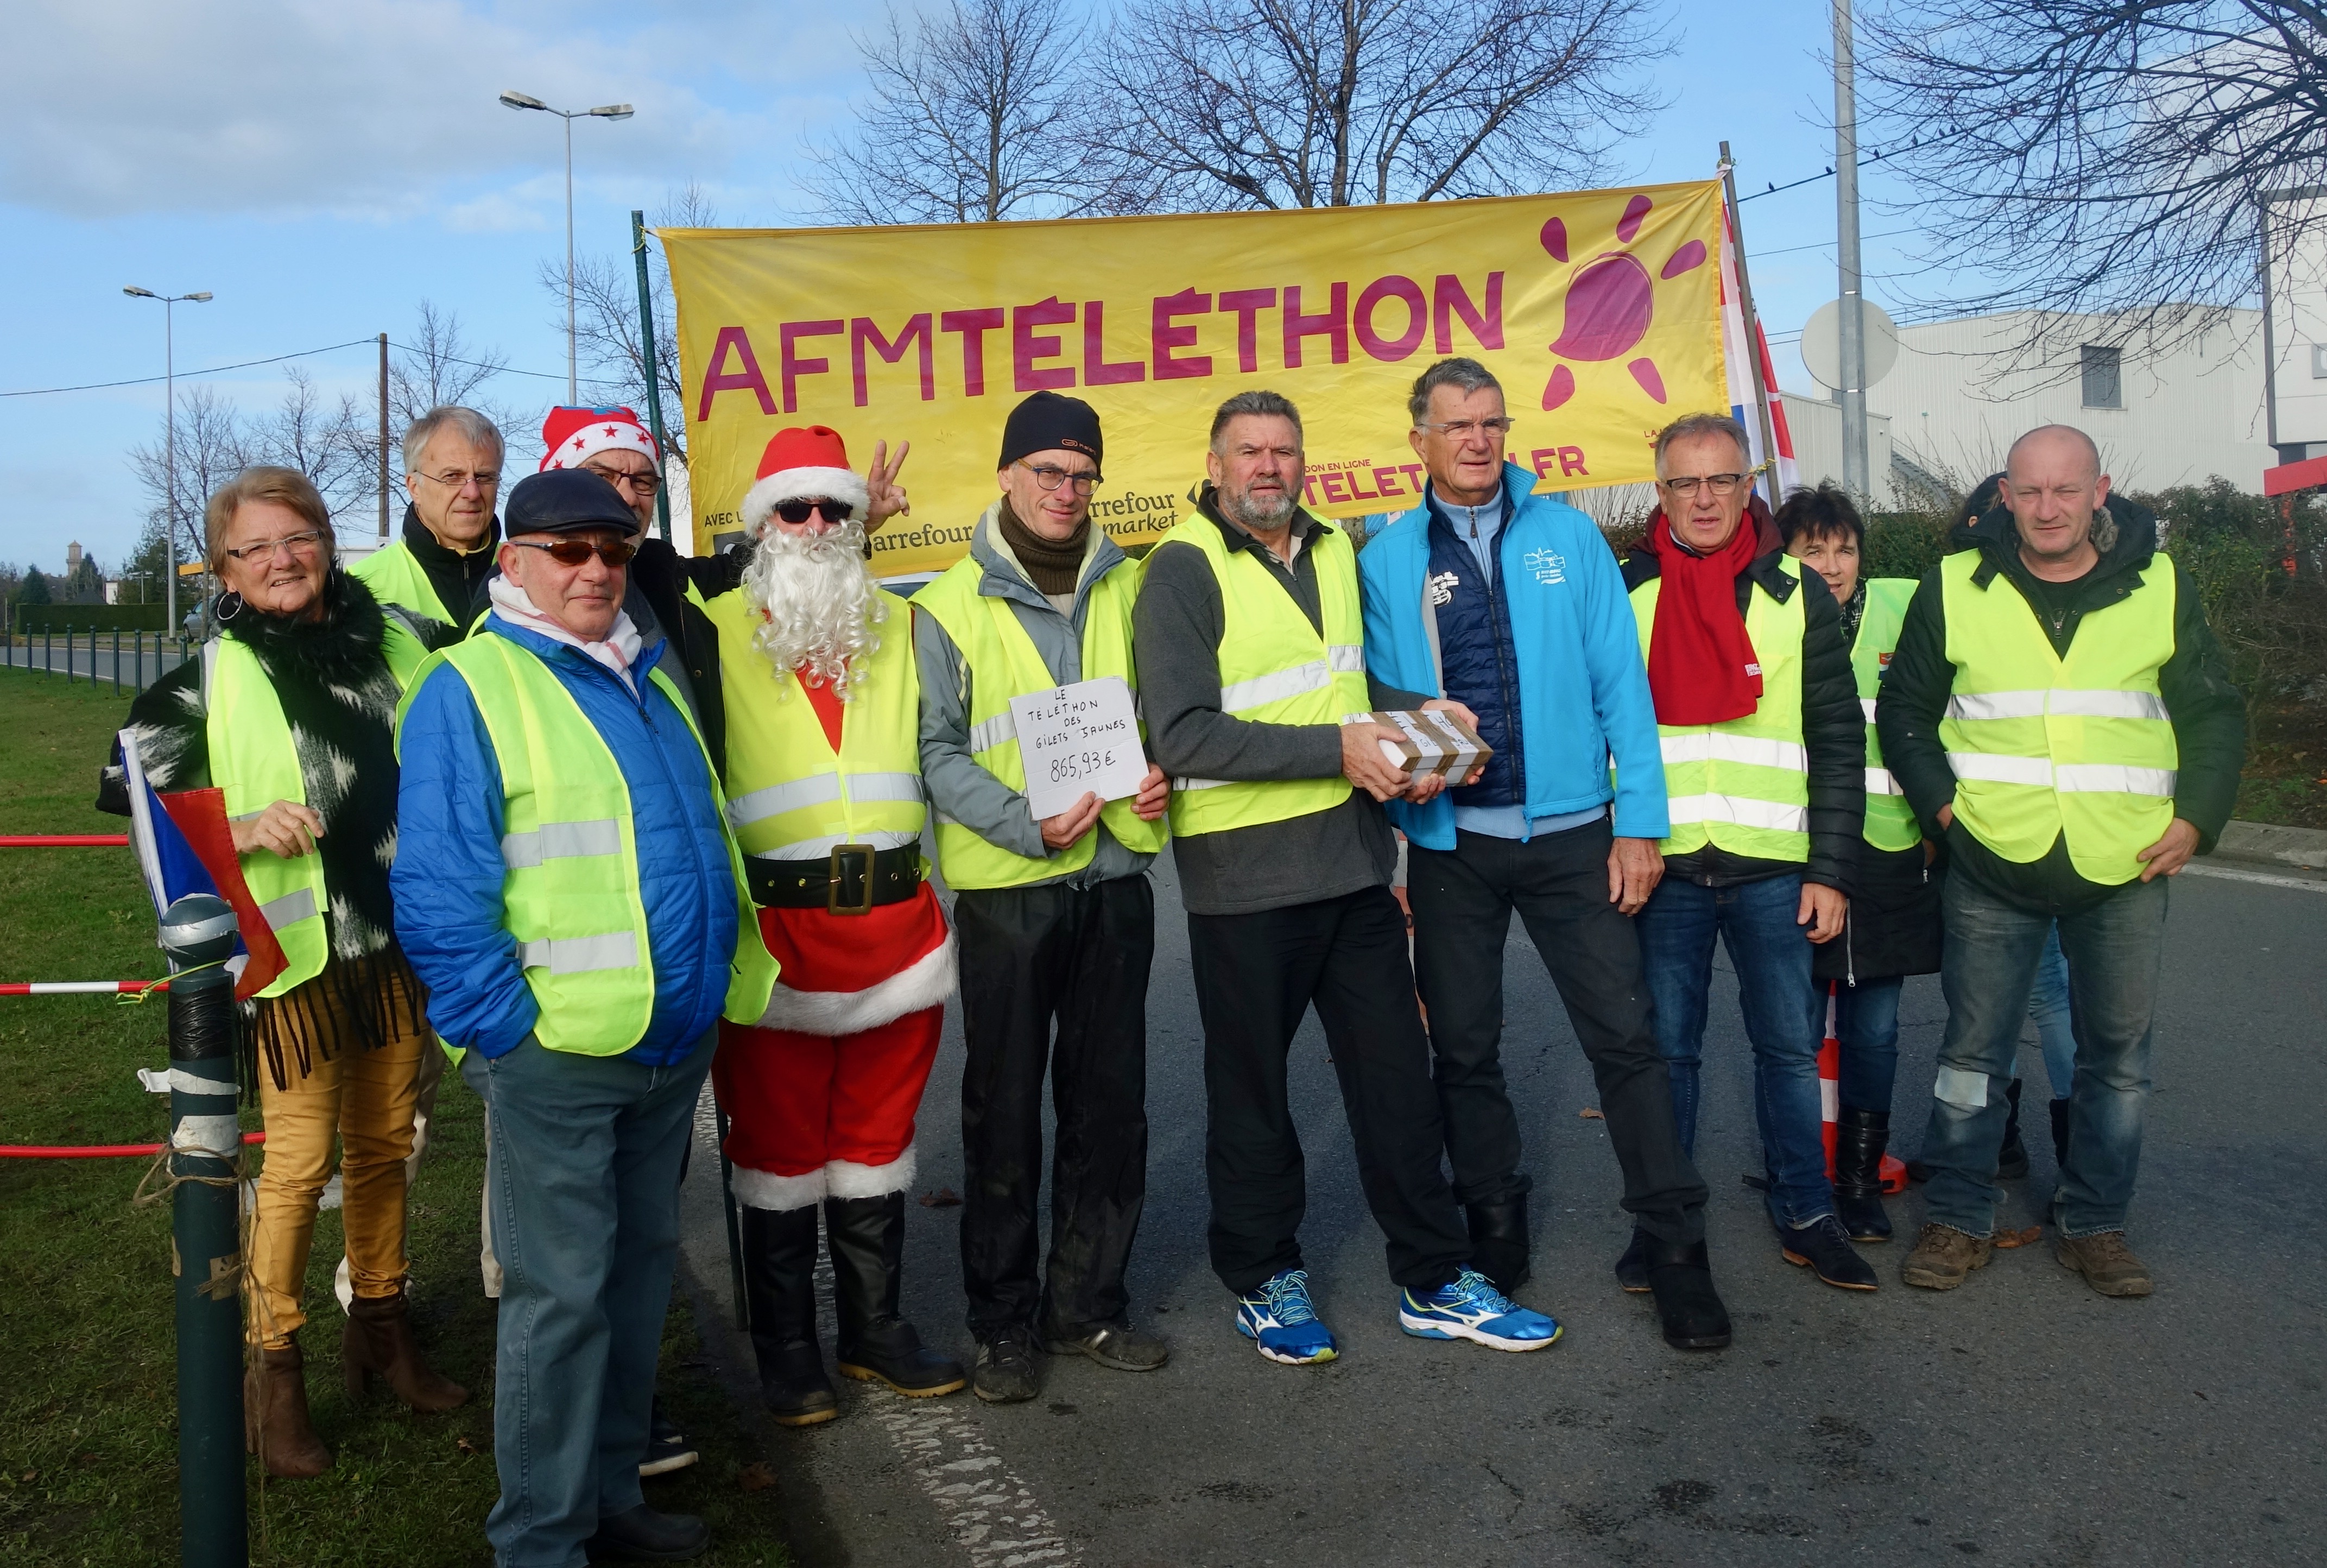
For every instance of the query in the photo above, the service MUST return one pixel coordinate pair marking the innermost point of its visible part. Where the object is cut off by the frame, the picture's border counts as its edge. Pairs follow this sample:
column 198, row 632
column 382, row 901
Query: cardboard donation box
column 1435, row 741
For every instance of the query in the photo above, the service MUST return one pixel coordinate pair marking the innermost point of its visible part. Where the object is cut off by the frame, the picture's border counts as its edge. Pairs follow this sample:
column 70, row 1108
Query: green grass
column 88, row 1437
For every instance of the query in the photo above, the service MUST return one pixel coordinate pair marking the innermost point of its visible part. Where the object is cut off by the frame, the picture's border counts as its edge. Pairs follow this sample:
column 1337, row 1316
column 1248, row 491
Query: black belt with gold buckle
column 856, row 880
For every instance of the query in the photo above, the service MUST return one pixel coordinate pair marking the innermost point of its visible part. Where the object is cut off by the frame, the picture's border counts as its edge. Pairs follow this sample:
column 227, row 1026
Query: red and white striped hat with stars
column 572, row 435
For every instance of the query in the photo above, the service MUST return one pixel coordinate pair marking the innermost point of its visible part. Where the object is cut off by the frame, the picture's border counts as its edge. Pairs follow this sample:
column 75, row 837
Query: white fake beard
column 818, row 603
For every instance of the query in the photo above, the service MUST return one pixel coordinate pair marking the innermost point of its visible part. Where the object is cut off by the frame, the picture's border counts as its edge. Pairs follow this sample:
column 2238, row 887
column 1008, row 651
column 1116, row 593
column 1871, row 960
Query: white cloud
column 376, row 109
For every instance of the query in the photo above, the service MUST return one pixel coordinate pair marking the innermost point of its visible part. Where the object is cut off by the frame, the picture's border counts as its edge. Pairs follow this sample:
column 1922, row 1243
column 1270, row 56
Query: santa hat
column 803, row 465
column 572, row 435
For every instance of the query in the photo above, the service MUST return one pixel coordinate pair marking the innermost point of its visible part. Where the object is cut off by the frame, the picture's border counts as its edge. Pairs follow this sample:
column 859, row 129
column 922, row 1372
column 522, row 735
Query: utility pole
column 1857, row 475
column 383, row 438
column 169, row 434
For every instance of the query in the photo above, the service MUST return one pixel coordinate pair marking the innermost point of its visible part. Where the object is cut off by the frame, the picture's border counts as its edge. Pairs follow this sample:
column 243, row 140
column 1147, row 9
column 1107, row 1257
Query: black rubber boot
column 2012, row 1159
column 779, row 1290
column 1686, row 1303
column 1860, row 1136
column 2061, row 1133
column 1498, row 1241
column 1632, row 1268
column 867, row 1235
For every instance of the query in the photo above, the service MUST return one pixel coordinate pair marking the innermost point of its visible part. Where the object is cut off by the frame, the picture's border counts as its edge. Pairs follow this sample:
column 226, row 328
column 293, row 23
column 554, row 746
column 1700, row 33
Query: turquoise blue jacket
column 1584, row 686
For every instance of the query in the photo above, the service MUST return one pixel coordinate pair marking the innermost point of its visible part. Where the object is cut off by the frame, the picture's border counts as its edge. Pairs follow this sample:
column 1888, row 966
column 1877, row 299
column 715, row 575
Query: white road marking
column 993, row 1514
column 2265, row 878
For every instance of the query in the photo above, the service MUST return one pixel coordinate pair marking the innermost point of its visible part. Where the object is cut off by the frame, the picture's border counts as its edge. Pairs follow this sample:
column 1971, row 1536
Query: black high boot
column 779, row 1289
column 1498, row 1241
column 868, row 1251
column 2012, row 1159
column 1860, row 1137
column 1687, row 1306
column 2060, row 1132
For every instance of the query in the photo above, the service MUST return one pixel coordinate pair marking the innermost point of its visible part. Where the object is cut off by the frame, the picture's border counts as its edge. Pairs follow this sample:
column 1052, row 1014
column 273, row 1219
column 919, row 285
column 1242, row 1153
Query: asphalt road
column 2019, row 1420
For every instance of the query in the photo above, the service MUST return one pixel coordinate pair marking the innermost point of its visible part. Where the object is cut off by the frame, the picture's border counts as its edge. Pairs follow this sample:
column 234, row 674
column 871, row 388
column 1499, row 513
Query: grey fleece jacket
column 959, row 788
column 1176, row 639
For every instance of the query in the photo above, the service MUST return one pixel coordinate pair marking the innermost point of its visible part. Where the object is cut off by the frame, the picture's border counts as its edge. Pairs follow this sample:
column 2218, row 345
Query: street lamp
column 170, row 433
column 518, row 101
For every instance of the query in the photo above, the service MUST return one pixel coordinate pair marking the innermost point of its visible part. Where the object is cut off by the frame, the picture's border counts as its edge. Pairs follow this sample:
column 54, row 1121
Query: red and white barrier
column 1894, row 1170
column 63, row 840
column 81, row 987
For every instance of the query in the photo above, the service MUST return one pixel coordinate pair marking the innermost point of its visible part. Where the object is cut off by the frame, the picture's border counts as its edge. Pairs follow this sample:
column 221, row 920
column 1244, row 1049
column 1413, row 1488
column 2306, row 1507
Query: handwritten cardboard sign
column 1078, row 739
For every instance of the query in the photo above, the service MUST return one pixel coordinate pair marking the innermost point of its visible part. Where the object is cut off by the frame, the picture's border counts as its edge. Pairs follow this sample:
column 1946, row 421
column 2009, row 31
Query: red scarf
column 1702, row 667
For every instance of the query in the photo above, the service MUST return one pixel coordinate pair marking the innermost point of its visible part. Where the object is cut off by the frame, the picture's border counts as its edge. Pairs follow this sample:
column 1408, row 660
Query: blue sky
column 323, row 166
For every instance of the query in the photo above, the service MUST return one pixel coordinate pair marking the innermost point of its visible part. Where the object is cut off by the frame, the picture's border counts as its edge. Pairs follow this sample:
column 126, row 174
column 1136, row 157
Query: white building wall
column 1816, row 426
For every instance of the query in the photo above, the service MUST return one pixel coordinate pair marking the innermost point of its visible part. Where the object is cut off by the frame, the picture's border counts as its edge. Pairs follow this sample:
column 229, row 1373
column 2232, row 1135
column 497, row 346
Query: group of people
column 604, row 821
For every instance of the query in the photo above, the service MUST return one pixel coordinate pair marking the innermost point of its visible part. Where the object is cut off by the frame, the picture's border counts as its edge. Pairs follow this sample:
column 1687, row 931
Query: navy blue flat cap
column 560, row 500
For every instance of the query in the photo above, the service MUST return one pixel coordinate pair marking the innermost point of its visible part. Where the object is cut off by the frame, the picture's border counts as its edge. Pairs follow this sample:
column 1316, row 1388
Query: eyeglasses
column 1720, row 484
column 1461, row 430
column 575, row 551
column 645, row 484
column 1051, row 478
column 798, row 512
column 294, row 545
column 486, row 478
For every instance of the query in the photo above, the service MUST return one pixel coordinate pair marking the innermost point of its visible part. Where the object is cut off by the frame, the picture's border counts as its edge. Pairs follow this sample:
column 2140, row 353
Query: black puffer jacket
column 1833, row 727
column 1893, row 927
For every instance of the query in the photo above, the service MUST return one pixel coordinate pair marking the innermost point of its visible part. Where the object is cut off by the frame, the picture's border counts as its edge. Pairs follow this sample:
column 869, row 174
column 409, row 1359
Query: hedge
column 31, row 619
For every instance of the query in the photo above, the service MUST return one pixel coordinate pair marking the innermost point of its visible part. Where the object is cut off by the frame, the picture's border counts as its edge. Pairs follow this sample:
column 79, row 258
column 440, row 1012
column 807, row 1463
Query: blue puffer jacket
column 1583, row 687
column 448, row 871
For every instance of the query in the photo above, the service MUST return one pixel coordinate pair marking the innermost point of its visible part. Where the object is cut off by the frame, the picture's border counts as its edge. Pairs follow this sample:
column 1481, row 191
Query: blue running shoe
column 1279, row 1320
column 1472, row 1309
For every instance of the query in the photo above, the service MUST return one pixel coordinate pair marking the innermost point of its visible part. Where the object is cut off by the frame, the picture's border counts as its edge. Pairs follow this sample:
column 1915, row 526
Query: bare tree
column 213, row 446
column 440, row 366
column 335, row 446
column 969, row 120
column 2100, row 156
column 606, row 318
column 1335, row 103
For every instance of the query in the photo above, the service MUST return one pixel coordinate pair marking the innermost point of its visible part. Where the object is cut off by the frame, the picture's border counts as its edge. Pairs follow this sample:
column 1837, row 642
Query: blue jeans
column 2048, row 1010
column 583, row 1157
column 1771, row 956
column 1993, row 948
column 1866, row 1027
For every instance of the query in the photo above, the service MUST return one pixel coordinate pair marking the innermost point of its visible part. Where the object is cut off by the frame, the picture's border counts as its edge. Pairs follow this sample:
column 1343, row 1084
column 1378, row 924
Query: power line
column 1828, row 175
column 1823, row 243
column 278, row 359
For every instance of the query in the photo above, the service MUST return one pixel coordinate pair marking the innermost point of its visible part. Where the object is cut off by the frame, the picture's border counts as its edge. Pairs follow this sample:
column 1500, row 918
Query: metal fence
column 130, row 660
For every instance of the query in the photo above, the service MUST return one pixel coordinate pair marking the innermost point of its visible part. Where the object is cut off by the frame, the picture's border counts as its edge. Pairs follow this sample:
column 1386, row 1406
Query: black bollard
column 205, row 1239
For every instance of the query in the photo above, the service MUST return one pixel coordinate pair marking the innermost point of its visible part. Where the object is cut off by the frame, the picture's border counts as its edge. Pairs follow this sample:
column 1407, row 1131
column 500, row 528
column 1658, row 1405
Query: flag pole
column 1752, row 345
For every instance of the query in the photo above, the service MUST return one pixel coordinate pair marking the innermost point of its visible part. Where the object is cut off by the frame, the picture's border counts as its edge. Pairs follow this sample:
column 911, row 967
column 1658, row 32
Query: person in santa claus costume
column 825, row 792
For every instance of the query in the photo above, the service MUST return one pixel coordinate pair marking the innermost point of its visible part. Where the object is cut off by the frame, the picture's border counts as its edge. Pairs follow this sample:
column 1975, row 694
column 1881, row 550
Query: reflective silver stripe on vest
column 1880, row 782
column 1719, row 746
column 561, row 841
column 2036, row 705
column 820, row 849
column 1346, row 657
column 1200, row 783
column 1261, row 689
column 1003, row 726
column 289, row 909
column 884, row 787
column 816, row 789
column 581, row 955
column 1742, row 809
column 1867, row 704
column 2069, row 778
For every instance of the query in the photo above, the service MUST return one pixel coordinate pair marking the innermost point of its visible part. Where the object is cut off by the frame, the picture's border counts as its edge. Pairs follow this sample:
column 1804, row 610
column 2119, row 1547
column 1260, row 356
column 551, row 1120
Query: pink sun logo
column 1611, row 302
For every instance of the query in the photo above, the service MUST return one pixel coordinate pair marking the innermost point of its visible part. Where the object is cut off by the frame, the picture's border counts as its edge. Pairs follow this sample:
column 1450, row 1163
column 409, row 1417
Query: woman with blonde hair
column 290, row 712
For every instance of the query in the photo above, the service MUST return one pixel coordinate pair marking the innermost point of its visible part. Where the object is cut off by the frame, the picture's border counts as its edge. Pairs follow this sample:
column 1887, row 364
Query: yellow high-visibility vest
column 2044, row 745
column 1890, row 821
column 1003, row 663
column 395, row 576
column 571, row 896
column 1275, row 669
column 1743, row 784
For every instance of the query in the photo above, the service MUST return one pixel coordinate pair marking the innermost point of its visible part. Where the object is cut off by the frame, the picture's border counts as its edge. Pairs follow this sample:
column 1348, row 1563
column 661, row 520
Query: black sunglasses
column 797, row 512
column 575, row 551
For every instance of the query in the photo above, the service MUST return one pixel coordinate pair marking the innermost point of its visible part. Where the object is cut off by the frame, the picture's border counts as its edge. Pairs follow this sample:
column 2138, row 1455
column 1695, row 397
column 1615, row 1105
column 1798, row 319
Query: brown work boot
column 2107, row 1265
column 274, row 1424
column 1943, row 1256
column 378, row 1339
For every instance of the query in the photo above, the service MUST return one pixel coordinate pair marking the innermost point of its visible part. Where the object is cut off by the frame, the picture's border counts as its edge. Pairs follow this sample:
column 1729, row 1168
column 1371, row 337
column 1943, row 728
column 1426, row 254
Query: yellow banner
column 1598, row 310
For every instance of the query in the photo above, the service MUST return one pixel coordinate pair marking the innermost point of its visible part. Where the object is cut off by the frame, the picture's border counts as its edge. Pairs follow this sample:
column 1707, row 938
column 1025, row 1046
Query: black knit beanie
column 1046, row 422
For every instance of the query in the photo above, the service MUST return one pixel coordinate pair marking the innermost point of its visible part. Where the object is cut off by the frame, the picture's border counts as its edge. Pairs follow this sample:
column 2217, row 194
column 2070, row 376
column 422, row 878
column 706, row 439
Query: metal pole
column 1857, row 475
column 205, row 1244
column 653, row 370
column 1752, row 345
column 383, row 438
column 734, row 1222
column 170, row 445
column 573, row 380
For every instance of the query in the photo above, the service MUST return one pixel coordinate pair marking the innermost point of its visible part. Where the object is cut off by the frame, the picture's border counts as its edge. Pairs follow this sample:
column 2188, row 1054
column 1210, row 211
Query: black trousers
column 1462, row 901
column 1255, row 978
column 1080, row 955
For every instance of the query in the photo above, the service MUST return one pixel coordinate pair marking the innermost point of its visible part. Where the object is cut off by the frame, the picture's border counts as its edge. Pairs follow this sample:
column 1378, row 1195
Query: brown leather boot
column 378, row 1339
column 274, row 1424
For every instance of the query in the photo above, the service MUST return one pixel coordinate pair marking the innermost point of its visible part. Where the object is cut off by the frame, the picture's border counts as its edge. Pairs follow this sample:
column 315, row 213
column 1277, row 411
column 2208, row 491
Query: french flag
column 184, row 846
